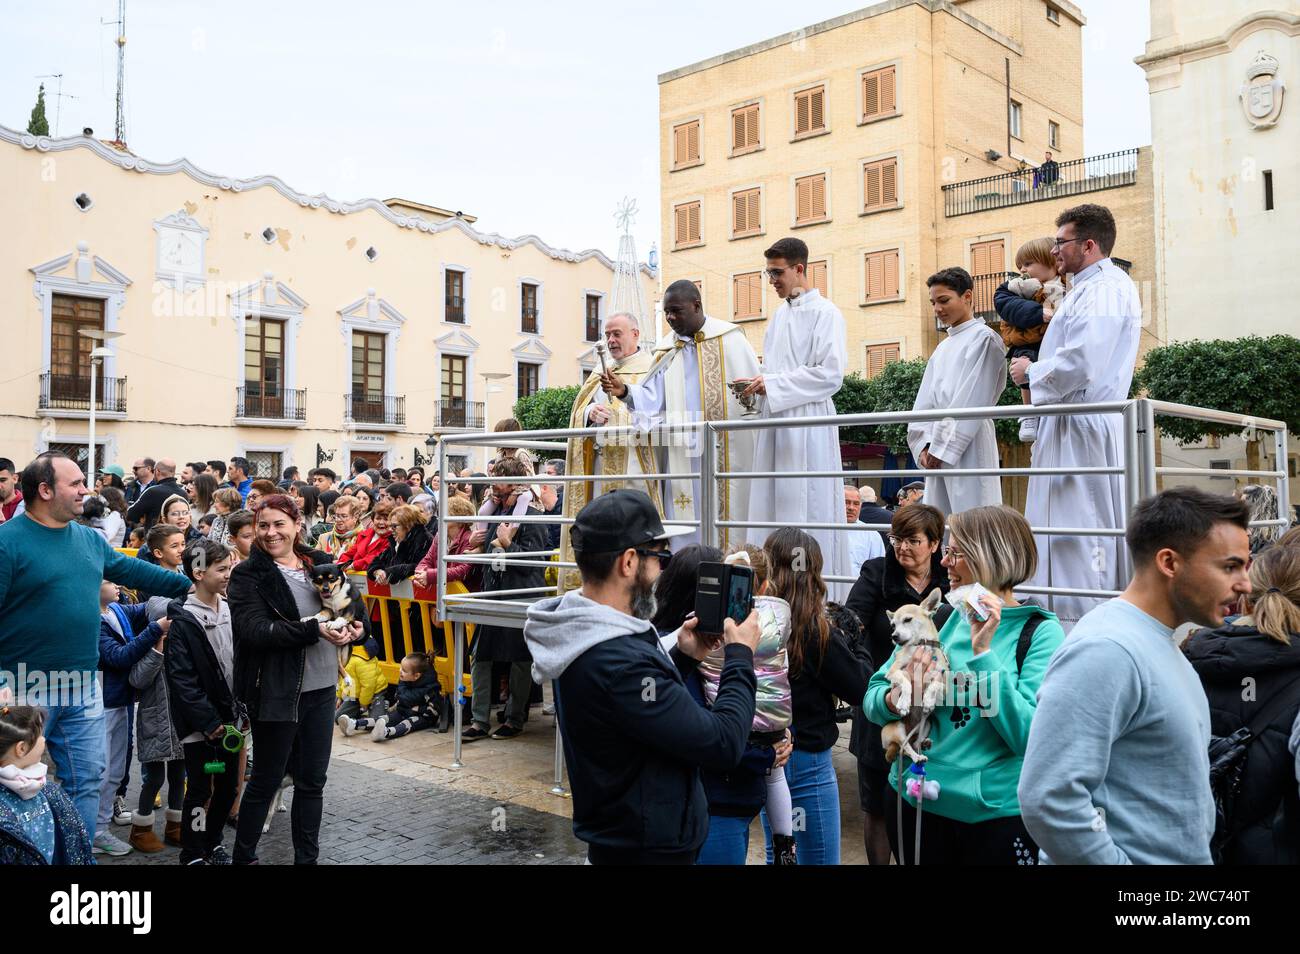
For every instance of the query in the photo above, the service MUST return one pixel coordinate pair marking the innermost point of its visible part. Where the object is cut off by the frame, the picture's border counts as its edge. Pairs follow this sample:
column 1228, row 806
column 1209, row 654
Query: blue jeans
column 74, row 736
column 727, row 843
column 816, row 797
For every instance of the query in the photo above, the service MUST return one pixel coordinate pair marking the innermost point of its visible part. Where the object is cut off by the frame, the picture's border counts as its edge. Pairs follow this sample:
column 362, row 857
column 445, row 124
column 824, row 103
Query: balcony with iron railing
column 528, row 320
column 71, row 393
column 271, row 405
column 1075, row 177
column 455, row 310
column 375, row 410
column 458, row 413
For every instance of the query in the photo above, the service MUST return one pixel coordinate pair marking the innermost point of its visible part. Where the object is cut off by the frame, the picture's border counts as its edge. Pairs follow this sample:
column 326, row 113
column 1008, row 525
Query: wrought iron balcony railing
column 1074, row 177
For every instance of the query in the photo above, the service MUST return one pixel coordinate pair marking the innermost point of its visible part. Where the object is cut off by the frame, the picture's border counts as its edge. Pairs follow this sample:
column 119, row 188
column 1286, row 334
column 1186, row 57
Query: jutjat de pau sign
column 1261, row 94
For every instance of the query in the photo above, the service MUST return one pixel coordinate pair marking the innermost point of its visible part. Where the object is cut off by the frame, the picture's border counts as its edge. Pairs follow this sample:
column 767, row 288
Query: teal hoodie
column 978, row 736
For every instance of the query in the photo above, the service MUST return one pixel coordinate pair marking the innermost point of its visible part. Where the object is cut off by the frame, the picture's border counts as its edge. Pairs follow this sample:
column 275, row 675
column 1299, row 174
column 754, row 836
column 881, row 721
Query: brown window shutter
column 679, row 225
column 739, row 207
column 679, row 145
column 693, row 222
column 802, row 111
column 889, row 269
column 755, row 211
column 817, row 276
column 871, row 186
column 802, row 200
column 817, row 108
column 875, row 361
column 874, row 278
column 870, row 95
column 756, row 293
column 739, row 294
column 693, row 142
column 889, row 182
column 751, row 127
column 888, row 103
column 737, row 130
column 818, row 197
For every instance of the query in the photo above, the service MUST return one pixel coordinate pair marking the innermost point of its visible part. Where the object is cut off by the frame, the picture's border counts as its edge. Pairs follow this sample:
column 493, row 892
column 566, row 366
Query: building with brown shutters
column 260, row 321
column 894, row 140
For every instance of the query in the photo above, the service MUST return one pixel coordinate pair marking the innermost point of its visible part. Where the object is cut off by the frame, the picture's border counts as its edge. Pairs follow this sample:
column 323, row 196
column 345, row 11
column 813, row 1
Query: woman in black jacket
column 910, row 569
column 286, row 671
column 1263, row 827
column 823, row 667
column 199, row 664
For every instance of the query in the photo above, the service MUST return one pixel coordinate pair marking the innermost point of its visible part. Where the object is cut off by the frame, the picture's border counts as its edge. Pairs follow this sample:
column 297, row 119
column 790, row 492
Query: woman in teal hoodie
column 979, row 732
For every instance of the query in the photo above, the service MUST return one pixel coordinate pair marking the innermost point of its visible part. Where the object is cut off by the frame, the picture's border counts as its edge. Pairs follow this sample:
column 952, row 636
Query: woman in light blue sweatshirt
column 979, row 732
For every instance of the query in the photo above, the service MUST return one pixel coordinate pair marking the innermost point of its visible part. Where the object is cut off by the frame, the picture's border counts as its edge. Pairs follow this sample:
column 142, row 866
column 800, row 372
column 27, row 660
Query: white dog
column 914, row 631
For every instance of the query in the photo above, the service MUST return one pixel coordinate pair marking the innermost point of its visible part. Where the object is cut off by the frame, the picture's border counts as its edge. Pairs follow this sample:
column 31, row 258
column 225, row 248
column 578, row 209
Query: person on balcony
column 966, row 370
column 1047, row 173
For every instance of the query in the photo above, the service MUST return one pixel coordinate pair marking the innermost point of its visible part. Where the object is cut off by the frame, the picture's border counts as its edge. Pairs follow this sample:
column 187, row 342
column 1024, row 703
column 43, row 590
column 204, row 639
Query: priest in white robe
column 688, row 382
column 1087, row 356
column 804, row 354
column 968, row 369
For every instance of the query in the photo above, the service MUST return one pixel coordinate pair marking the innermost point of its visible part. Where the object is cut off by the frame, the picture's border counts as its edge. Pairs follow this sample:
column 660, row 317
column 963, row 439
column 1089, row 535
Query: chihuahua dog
column 340, row 598
column 914, row 631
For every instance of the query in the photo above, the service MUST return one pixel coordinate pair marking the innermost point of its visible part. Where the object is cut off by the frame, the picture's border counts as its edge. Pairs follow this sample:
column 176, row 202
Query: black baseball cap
column 617, row 521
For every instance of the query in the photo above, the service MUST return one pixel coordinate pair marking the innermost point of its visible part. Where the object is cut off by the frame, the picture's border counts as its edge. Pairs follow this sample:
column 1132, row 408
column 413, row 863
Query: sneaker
column 501, row 717
column 106, row 843
column 1028, row 430
column 196, row 861
column 347, row 724
column 548, row 709
column 507, row 731
column 473, row 733
column 217, row 856
column 380, row 731
column 121, row 816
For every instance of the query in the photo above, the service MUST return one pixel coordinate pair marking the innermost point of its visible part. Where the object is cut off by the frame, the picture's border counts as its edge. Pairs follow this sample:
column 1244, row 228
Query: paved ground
column 402, row 802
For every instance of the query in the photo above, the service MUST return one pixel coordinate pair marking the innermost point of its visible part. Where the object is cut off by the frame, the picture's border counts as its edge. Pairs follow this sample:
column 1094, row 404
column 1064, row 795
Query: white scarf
column 24, row 782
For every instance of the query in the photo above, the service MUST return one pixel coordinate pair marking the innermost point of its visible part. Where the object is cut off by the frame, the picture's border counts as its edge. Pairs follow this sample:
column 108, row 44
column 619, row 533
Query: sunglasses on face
column 663, row 556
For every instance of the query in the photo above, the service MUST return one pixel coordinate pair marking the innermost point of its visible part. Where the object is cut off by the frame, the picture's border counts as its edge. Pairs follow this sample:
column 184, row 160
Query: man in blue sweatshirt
column 50, row 573
column 1117, row 768
column 634, row 737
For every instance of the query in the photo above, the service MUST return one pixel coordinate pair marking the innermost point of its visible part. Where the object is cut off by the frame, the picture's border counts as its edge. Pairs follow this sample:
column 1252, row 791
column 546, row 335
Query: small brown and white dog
column 914, row 631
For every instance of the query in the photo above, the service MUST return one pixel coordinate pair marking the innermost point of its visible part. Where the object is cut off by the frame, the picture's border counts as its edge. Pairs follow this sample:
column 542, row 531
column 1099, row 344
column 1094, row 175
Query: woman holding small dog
column 979, row 731
column 286, row 667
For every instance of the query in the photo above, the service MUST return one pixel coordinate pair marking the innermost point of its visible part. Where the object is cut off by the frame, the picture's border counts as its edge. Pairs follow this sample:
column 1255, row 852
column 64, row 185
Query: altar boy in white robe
column 688, row 381
column 804, row 354
column 1087, row 356
column 968, row 369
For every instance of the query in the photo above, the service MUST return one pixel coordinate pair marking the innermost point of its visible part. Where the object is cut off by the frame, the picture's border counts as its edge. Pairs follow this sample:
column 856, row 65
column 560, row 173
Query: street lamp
column 96, row 355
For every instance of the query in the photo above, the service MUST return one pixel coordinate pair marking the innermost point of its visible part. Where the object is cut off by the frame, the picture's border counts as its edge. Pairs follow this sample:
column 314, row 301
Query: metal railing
column 985, row 286
column 1138, row 470
column 458, row 413
column 455, row 310
column 1075, row 177
column 71, row 392
column 271, row 404
column 387, row 409
column 528, row 320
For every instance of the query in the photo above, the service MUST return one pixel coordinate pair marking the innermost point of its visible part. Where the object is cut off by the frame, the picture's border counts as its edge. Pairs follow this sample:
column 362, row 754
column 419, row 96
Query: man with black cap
column 911, row 493
column 634, row 738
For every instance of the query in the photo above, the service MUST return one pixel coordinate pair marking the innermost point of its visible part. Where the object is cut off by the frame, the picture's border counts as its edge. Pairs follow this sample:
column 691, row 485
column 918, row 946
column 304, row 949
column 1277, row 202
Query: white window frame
column 381, row 318
column 531, row 351
column 794, row 113
column 830, row 274
column 273, row 299
column 794, row 199
column 242, row 449
column 465, row 280
column 1007, row 253
column 672, row 222
column 760, row 102
column 462, row 346
column 672, row 136
column 1016, row 119
column 901, row 246
column 731, row 296
column 898, row 92
column 731, row 212
column 541, row 306
column 601, row 314
column 1053, row 142
column 111, row 290
column 106, row 444
column 897, row 156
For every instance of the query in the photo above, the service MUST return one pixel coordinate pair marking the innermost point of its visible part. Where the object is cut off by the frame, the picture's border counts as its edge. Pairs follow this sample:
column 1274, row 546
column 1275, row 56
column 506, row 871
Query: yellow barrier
column 388, row 635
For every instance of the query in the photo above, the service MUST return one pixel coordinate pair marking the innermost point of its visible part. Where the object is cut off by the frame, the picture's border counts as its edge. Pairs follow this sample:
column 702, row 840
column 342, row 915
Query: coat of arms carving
column 1261, row 94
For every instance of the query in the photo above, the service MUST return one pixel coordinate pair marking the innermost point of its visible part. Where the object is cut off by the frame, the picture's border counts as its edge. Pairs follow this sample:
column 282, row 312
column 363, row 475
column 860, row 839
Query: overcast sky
column 534, row 117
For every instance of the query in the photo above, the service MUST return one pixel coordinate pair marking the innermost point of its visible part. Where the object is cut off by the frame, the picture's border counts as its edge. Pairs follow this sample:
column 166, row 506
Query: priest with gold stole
column 596, row 457
column 689, row 381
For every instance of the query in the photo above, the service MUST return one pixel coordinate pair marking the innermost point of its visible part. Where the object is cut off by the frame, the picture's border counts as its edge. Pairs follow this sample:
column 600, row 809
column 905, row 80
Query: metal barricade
column 1139, row 469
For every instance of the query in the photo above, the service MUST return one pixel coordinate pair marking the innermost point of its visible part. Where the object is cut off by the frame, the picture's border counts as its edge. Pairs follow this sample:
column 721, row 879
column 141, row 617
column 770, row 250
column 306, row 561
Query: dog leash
column 909, row 739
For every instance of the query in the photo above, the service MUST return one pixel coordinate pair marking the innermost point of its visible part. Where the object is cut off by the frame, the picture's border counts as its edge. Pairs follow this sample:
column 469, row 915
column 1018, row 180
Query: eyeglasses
column 775, row 272
column 911, row 543
column 952, row 553
column 1059, row 242
column 663, row 556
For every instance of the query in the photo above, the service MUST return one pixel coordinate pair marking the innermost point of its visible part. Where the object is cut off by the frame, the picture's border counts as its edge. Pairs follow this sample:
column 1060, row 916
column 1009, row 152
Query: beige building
column 261, row 321
column 1226, row 165
column 895, row 140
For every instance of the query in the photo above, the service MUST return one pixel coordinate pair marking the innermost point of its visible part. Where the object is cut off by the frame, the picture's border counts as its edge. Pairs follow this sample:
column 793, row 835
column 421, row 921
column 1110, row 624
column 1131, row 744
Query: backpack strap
column 1027, row 637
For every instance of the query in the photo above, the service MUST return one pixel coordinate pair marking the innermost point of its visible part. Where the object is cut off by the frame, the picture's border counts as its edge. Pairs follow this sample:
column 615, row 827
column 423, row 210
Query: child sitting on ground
column 772, row 703
column 1025, row 305
column 419, row 705
column 38, row 823
column 362, row 683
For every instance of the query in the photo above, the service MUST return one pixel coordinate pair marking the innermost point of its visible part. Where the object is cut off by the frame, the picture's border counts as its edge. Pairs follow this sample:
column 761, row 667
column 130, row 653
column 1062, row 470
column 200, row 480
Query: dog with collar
column 914, row 632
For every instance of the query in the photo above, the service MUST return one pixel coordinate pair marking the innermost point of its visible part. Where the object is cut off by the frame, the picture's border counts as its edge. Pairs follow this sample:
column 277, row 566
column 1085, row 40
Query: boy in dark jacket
column 419, row 705
column 200, row 666
column 125, row 636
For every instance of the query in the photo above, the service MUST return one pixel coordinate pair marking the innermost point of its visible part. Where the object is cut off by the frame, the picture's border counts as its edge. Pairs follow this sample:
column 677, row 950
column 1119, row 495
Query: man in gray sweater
column 1117, row 769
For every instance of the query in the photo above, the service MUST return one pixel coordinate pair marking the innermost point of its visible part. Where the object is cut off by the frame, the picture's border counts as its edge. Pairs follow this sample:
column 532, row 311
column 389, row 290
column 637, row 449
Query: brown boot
column 142, row 837
column 172, row 831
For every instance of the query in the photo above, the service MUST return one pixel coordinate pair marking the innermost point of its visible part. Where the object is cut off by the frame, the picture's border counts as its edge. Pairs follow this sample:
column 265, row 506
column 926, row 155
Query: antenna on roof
column 119, row 129
column 59, row 97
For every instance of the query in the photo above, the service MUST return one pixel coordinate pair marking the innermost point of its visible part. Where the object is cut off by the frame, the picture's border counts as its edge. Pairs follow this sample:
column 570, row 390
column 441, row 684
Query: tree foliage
column 1251, row 375
column 547, row 409
column 38, row 125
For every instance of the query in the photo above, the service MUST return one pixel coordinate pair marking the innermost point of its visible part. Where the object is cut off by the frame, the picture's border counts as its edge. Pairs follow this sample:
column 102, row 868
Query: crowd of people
column 216, row 666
